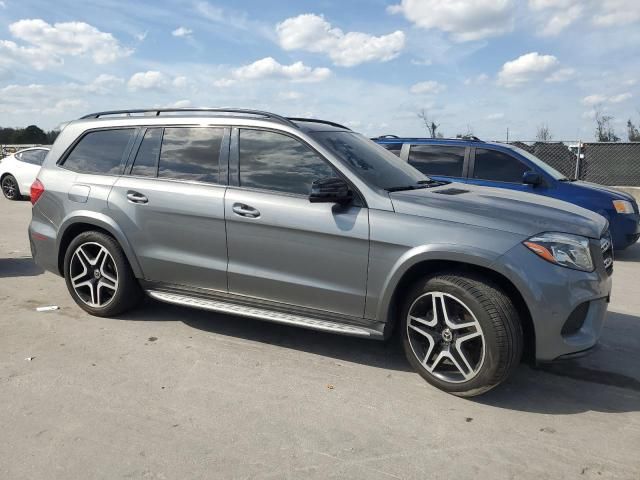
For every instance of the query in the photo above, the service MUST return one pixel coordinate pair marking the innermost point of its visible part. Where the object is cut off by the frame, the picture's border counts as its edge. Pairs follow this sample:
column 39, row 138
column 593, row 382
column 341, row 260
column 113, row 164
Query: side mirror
column 531, row 178
column 330, row 190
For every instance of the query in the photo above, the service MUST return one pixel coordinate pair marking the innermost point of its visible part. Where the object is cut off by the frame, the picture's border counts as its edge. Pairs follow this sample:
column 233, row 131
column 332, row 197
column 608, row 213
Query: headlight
column 623, row 206
column 563, row 249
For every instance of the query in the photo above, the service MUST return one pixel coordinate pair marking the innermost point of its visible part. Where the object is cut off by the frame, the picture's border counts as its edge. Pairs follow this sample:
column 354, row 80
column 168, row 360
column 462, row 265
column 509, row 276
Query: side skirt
column 223, row 302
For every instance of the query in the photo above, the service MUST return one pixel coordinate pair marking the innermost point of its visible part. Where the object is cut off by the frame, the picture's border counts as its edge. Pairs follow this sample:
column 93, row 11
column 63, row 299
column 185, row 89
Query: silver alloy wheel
column 446, row 337
column 94, row 275
column 9, row 188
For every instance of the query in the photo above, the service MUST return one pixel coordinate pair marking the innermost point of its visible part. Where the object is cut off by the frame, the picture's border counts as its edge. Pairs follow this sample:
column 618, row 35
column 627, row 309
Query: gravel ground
column 167, row 392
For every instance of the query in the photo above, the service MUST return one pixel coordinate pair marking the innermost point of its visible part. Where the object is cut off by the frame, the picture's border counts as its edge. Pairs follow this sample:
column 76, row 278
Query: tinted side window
column 393, row 147
column 146, row 161
column 437, row 159
column 191, row 153
column 498, row 166
column 100, row 151
column 273, row 161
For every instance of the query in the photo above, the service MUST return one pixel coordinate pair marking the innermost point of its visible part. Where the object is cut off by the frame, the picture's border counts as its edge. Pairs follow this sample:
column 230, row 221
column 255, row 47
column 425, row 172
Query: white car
column 18, row 171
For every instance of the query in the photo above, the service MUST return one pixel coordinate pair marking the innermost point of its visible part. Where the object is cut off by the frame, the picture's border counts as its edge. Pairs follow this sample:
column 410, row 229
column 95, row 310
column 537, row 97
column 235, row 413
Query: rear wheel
column 98, row 275
column 461, row 333
column 10, row 188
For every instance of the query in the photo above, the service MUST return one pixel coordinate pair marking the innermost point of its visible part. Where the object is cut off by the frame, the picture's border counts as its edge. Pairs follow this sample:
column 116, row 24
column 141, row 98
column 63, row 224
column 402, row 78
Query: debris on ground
column 47, row 309
column 330, row 387
column 152, row 339
column 28, row 359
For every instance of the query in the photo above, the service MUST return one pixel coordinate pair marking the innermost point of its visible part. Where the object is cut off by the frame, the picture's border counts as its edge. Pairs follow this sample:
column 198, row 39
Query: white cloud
column 224, row 82
column 495, row 116
column 151, row 80
column 544, row 4
column 561, row 19
column 561, row 75
column 179, row 104
column 3, row 4
column 616, row 12
column 269, row 68
column 46, row 45
column 290, row 96
column 620, row 97
column 104, row 84
column 525, row 68
column 430, row 87
column 477, row 80
column 595, row 99
column 421, row 62
column 313, row 33
column 465, row 20
column 182, row 32
column 141, row 36
column 66, row 105
column 180, row 82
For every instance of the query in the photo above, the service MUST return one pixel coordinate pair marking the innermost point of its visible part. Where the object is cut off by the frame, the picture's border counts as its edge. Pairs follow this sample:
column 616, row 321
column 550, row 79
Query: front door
column 283, row 248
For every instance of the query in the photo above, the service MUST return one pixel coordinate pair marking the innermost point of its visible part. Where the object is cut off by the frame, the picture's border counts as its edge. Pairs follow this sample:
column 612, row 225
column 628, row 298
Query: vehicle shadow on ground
column 569, row 387
column 388, row 355
column 631, row 254
column 19, row 267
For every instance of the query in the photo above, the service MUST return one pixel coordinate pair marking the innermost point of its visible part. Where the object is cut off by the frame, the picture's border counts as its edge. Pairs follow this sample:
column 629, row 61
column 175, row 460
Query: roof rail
column 469, row 137
column 158, row 111
column 315, row 120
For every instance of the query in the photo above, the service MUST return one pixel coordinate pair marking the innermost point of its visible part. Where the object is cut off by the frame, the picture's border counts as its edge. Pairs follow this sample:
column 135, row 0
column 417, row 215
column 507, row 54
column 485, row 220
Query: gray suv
column 306, row 223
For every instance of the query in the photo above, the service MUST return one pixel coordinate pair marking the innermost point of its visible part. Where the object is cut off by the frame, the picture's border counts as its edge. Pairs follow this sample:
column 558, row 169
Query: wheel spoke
column 445, row 337
column 97, row 283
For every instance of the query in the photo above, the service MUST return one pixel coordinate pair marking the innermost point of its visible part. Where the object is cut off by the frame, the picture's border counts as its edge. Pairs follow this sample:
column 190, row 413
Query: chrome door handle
column 136, row 197
column 245, row 210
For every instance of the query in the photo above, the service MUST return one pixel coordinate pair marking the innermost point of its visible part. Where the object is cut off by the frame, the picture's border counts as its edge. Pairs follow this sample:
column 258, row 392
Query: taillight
column 37, row 189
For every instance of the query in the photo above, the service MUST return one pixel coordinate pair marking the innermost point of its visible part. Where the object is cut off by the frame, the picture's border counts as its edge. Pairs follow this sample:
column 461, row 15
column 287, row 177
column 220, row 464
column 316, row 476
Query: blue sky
column 472, row 65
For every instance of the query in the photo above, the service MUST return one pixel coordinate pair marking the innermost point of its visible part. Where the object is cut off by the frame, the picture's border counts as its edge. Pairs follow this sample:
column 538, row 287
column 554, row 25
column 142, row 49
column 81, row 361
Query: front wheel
column 98, row 275
column 461, row 333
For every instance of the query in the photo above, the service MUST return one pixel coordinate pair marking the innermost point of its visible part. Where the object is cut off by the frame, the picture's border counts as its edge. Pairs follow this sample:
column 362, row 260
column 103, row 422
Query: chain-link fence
column 598, row 162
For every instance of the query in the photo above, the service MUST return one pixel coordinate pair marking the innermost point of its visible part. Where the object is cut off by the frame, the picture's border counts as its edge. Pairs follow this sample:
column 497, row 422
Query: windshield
column 539, row 163
column 374, row 164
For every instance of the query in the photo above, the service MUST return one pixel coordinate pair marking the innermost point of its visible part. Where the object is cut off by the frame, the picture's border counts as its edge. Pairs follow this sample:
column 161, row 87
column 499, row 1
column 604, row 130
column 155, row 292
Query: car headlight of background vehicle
column 564, row 249
column 623, row 206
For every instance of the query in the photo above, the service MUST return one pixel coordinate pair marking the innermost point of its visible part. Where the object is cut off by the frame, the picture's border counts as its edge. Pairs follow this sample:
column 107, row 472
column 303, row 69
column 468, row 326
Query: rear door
column 170, row 205
column 283, row 248
column 493, row 168
column 440, row 162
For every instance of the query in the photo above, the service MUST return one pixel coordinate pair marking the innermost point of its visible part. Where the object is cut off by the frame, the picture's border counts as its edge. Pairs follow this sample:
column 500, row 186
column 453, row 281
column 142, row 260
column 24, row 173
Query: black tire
column 128, row 293
column 10, row 188
column 501, row 332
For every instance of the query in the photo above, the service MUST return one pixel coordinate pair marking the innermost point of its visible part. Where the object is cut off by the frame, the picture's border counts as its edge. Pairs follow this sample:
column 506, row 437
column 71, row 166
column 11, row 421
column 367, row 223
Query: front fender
column 106, row 223
column 425, row 253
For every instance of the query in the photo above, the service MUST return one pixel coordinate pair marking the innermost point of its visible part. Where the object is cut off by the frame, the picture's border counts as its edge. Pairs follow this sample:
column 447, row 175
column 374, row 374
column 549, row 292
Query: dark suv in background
column 307, row 223
column 500, row 165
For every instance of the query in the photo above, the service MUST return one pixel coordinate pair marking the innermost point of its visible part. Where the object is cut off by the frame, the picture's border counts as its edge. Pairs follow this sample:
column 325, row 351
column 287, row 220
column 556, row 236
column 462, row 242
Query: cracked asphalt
column 167, row 392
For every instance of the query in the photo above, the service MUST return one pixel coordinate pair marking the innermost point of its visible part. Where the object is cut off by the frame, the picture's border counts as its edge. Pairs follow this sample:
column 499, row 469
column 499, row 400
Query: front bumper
column 552, row 293
column 625, row 229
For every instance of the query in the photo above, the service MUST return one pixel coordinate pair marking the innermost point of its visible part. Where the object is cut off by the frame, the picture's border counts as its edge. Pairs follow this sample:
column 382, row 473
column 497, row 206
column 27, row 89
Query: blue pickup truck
column 470, row 160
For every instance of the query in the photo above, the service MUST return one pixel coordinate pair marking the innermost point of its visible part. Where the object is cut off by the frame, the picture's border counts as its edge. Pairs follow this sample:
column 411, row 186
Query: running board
column 264, row 314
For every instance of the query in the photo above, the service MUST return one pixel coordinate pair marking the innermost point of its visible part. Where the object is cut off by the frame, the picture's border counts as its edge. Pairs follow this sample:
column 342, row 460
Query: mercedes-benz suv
column 307, row 223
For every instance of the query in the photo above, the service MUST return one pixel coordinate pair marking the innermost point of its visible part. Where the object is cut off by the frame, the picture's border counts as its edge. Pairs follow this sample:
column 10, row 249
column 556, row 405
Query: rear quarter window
column 100, row 151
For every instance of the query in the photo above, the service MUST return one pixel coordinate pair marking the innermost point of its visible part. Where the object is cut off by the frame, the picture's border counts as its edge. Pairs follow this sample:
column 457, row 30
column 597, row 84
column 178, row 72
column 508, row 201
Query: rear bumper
column 42, row 240
column 552, row 293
